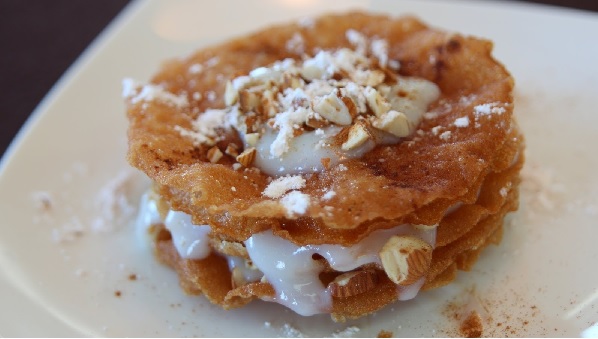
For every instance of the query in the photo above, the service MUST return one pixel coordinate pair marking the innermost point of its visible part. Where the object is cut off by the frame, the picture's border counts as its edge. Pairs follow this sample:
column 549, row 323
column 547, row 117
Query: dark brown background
column 39, row 39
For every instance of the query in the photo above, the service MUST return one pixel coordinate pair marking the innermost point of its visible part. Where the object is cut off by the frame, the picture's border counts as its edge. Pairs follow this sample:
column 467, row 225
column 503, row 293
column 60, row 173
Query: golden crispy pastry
column 374, row 155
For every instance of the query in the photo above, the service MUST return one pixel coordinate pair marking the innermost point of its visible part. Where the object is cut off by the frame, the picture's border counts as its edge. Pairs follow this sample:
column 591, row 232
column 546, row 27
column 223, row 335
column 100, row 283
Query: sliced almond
column 291, row 81
column 405, row 259
column 231, row 95
column 269, row 105
column 249, row 100
column 357, row 135
column 377, row 103
column 311, row 71
column 251, row 122
column 316, row 121
column 247, row 156
column 375, row 78
column 393, row 122
column 214, row 154
column 232, row 150
column 353, row 283
column 351, row 106
column 333, row 109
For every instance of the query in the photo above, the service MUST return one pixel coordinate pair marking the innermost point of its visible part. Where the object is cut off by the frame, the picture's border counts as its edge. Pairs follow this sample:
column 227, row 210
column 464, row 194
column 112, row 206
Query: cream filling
column 297, row 160
column 304, row 153
column 289, row 268
column 294, row 274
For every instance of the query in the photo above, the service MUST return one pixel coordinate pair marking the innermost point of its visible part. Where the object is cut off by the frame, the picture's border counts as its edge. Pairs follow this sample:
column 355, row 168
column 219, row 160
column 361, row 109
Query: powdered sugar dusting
column 113, row 203
column 348, row 332
column 328, row 195
column 136, row 92
column 540, row 190
column 296, row 44
column 110, row 206
column 205, row 127
column 462, row 122
column 489, row 108
column 295, row 202
column 278, row 187
column 289, row 331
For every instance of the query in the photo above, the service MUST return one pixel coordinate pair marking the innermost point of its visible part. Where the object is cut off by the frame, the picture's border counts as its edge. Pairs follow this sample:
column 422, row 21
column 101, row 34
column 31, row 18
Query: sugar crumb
column 328, row 195
column 278, row 187
column 462, row 122
column 295, row 202
column 138, row 92
column 445, row 135
column 195, row 68
column 289, row 331
column 348, row 332
column 436, row 130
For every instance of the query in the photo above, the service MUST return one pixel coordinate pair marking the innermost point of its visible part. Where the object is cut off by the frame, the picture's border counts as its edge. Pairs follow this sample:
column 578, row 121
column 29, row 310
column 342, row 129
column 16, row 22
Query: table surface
column 39, row 43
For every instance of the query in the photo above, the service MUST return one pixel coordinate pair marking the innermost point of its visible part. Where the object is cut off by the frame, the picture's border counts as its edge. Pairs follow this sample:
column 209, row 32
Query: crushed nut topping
column 356, row 88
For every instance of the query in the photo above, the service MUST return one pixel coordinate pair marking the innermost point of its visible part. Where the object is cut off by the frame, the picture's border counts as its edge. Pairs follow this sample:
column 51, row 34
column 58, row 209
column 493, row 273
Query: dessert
column 333, row 165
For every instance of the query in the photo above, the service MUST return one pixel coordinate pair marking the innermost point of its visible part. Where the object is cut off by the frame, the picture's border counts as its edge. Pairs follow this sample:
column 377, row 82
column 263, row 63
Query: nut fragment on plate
column 353, row 283
column 405, row 259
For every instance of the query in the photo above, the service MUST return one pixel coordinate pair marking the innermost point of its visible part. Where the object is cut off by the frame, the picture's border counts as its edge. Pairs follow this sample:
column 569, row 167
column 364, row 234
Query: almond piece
column 232, row 150
column 377, row 103
column 231, row 95
column 358, row 134
column 214, row 154
column 405, row 259
column 351, row 106
column 247, row 156
column 375, row 78
column 249, row 101
column 353, row 283
column 269, row 105
column 311, row 71
column 393, row 122
column 333, row 109
column 291, row 81
column 316, row 121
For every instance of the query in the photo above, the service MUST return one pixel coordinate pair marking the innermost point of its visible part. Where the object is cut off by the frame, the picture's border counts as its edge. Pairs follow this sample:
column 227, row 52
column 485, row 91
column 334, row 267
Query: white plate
column 541, row 281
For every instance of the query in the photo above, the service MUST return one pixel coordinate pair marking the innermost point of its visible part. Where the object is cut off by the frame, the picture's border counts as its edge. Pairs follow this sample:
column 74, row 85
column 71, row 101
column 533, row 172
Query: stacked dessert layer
column 332, row 165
